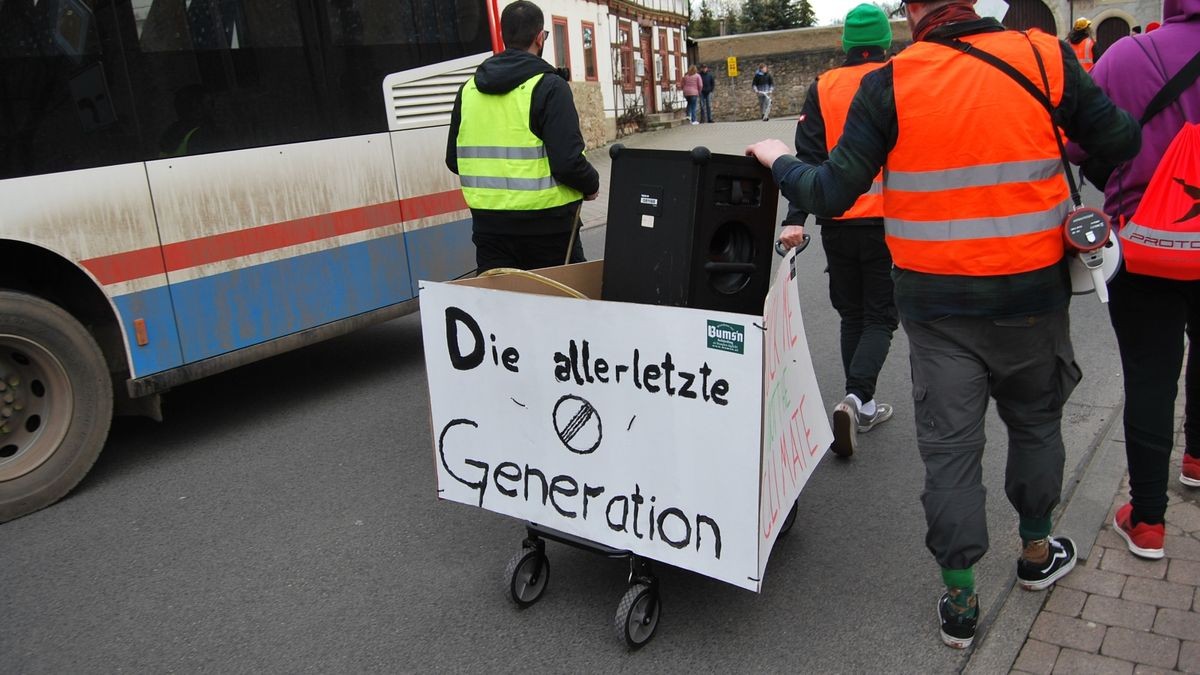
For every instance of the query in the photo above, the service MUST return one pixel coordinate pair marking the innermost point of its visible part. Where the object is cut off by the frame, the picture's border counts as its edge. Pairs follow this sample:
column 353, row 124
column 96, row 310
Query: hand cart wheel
column 637, row 615
column 789, row 520
column 527, row 574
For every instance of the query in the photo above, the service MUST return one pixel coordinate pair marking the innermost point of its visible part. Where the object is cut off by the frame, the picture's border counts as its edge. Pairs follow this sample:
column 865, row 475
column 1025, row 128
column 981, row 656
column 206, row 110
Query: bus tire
column 56, row 403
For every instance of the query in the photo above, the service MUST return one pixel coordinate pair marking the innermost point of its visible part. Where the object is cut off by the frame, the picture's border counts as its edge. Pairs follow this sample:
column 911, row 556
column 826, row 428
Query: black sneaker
column 1040, row 576
column 958, row 629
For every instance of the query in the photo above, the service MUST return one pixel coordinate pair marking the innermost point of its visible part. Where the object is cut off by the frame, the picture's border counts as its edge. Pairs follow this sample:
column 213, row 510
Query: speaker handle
column 781, row 250
column 719, row 267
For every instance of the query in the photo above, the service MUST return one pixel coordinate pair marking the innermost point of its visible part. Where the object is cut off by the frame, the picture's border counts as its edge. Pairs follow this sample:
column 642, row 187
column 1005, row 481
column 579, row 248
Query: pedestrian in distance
column 691, row 85
column 973, row 214
column 709, row 84
column 859, row 264
column 515, row 143
column 764, row 86
column 1152, row 309
column 1082, row 43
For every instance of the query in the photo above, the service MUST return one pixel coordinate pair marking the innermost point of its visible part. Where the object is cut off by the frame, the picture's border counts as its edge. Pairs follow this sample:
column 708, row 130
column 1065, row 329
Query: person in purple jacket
column 1149, row 314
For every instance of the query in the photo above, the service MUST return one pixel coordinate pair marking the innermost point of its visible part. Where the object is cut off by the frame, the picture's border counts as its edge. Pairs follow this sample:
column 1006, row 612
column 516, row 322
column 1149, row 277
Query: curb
column 1085, row 511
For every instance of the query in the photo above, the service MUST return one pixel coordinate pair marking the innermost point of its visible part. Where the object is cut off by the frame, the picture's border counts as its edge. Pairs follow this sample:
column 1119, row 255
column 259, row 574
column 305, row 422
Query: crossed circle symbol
column 578, row 424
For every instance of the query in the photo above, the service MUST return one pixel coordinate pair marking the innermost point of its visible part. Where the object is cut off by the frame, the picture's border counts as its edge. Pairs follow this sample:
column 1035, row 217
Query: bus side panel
column 265, row 242
column 437, row 222
column 102, row 220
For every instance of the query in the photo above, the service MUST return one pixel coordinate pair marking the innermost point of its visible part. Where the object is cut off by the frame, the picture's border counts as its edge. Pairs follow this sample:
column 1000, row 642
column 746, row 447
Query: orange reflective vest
column 835, row 91
column 1083, row 52
column 975, row 184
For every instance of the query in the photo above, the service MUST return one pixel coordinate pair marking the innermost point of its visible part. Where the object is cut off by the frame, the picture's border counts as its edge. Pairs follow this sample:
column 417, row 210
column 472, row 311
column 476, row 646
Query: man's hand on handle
column 792, row 236
column 767, row 151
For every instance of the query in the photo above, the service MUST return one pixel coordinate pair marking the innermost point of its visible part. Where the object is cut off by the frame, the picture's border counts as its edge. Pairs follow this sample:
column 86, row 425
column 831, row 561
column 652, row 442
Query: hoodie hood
column 505, row 71
column 1180, row 10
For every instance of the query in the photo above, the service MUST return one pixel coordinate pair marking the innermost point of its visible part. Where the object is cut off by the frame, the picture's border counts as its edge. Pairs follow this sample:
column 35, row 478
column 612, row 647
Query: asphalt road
column 283, row 518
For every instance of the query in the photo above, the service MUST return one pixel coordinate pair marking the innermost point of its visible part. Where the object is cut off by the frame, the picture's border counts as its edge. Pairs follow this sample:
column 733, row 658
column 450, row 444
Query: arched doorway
column 1025, row 14
column 1109, row 31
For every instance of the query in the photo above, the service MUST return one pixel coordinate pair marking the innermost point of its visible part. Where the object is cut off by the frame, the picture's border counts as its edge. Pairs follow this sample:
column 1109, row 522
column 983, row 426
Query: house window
column 562, row 48
column 678, row 52
column 625, row 47
column 589, row 51
column 663, row 57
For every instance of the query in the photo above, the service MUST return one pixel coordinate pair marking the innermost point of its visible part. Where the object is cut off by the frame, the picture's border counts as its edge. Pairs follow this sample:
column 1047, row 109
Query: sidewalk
column 1116, row 613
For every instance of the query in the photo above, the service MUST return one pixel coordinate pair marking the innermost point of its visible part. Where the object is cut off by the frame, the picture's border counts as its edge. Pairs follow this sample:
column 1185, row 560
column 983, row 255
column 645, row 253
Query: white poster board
column 796, row 432
column 634, row 426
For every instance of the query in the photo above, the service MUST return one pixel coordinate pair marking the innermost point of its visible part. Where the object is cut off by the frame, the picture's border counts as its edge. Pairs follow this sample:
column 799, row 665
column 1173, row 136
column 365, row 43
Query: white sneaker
column 695, row 122
column 845, row 428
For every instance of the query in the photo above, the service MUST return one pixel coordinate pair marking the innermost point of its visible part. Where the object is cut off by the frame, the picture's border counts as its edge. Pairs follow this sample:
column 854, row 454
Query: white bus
column 191, row 185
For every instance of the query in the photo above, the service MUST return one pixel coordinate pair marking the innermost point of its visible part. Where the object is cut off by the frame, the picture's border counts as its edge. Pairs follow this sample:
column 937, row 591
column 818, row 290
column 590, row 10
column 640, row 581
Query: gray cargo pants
column 1027, row 364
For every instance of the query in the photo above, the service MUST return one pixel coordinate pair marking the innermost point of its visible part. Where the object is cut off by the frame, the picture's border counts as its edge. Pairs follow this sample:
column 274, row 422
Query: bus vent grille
column 426, row 100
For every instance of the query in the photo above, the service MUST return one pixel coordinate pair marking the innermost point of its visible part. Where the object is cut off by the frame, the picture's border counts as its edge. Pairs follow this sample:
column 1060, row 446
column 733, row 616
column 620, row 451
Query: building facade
column 1111, row 20
column 625, row 58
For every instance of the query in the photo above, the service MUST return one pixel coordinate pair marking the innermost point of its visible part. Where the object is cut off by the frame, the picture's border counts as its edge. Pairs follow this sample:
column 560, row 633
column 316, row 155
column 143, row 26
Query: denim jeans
column 691, row 103
column 706, row 107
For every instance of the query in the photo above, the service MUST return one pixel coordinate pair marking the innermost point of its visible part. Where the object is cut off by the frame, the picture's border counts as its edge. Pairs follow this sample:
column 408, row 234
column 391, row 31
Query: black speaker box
column 689, row 229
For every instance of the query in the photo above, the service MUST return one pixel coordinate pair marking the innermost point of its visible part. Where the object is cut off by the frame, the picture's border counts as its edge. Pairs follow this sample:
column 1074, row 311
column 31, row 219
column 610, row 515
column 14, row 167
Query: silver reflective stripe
column 1146, row 236
column 875, row 189
column 973, row 176
column 977, row 228
column 501, row 183
column 501, row 152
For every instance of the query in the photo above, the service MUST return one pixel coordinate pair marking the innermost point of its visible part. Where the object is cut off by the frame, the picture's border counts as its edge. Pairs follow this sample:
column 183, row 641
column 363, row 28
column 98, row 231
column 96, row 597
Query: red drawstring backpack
column 1163, row 237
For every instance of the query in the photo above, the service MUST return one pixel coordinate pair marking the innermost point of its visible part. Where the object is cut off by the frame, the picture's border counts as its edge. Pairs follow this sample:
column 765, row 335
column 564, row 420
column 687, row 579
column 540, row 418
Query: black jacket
column 552, row 118
column 811, row 147
column 710, row 83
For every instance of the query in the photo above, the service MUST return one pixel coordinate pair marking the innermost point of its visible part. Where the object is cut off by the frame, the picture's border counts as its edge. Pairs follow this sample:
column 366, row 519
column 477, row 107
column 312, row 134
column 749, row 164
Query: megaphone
column 1091, row 271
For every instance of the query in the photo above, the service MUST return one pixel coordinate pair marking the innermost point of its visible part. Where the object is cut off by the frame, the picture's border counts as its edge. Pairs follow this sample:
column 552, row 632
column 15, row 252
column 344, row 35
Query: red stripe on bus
column 146, row 262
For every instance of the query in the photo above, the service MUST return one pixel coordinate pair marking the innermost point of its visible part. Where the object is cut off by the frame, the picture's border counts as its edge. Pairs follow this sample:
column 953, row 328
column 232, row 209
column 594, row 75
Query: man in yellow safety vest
column 516, row 145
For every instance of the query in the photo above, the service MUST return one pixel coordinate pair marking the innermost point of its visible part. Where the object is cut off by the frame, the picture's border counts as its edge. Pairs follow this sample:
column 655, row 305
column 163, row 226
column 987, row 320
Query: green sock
column 960, row 584
column 1032, row 529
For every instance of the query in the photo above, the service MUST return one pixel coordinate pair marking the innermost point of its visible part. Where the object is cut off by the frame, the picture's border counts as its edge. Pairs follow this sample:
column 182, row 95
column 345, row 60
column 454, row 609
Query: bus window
column 61, row 103
column 370, row 39
column 214, row 75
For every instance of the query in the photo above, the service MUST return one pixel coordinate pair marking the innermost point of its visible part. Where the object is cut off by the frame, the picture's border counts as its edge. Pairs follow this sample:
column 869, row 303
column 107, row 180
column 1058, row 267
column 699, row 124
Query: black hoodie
column 552, row 118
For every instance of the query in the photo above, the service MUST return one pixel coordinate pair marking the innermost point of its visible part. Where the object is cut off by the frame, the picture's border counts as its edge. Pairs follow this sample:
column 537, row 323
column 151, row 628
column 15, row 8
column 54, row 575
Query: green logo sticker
column 727, row 337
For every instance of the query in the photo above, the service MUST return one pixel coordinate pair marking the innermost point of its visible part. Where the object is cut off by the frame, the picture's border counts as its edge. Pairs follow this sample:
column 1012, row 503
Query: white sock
column 867, row 408
column 857, row 401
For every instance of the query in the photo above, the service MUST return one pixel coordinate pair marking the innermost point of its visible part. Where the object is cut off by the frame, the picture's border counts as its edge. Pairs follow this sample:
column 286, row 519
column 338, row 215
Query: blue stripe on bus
column 232, row 310
column 228, row 311
column 153, row 307
column 441, row 253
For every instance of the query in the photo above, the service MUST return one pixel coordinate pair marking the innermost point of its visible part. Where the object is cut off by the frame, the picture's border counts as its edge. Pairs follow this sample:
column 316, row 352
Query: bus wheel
column 55, row 403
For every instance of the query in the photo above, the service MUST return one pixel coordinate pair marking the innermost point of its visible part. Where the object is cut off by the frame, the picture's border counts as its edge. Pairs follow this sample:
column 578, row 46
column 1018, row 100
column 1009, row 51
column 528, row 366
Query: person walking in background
column 1151, row 312
column 708, row 84
column 764, row 86
column 1082, row 43
column 859, row 265
column 692, row 84
column 515, row 143
column 973, row 211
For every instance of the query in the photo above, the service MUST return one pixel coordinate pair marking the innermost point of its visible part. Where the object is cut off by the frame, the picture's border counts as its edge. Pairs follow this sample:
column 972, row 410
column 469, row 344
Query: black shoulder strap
column 1043, row 97
column 1173, row 88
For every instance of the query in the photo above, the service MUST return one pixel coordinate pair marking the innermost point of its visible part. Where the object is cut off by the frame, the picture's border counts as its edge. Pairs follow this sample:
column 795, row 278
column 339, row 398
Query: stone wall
column 589, row 102
column 795, row 58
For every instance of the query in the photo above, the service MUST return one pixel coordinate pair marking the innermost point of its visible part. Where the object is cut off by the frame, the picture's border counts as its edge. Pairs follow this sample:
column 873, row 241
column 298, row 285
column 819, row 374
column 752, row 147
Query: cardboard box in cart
column 682, row 435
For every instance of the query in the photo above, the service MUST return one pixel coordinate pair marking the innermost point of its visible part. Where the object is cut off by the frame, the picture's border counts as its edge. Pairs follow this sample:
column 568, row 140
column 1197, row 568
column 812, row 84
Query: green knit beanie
column 866, row 26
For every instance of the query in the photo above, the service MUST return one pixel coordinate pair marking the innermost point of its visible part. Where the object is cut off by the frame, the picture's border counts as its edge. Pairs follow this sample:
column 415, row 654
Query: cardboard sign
column 635, row 426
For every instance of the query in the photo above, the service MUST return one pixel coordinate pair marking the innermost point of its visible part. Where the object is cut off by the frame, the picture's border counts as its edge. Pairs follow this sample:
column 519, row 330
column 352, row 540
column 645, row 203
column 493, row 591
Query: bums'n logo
column 726, row 337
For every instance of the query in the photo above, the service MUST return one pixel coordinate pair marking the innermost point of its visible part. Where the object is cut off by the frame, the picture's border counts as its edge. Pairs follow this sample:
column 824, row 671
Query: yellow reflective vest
column 502, row 165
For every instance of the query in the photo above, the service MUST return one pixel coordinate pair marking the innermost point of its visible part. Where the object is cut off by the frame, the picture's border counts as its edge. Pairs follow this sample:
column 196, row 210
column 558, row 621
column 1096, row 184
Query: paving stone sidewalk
column 1116, row 613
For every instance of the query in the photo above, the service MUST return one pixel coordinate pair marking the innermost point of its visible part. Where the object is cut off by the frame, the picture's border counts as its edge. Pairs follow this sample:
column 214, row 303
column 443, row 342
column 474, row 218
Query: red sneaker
column 1189, row 473
column 1144, row 540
